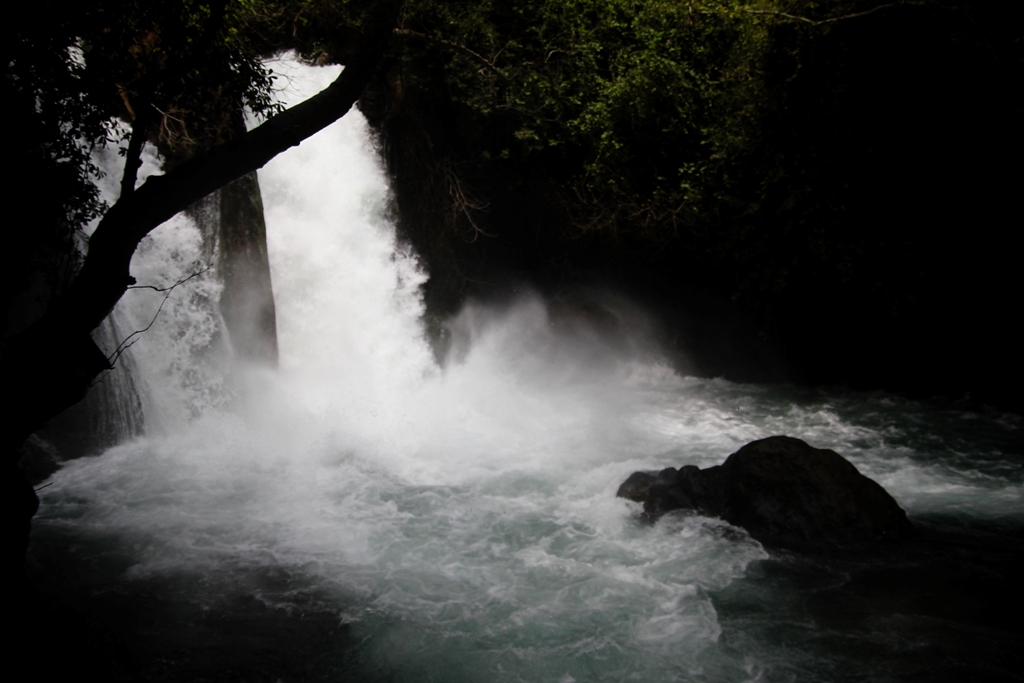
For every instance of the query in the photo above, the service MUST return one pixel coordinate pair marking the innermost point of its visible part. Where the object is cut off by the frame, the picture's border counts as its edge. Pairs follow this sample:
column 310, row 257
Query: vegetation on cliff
column 840, row 172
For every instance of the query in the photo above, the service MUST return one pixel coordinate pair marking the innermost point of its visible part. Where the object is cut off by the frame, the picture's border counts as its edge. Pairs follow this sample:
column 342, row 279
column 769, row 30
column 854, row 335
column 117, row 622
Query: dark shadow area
column 942, row 608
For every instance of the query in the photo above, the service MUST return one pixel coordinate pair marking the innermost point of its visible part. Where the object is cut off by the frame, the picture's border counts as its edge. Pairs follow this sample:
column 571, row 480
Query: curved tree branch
column 50, row 365
column 104, row 275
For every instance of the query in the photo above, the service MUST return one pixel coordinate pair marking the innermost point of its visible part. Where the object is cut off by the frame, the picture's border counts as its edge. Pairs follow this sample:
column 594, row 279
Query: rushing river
column 363, row 514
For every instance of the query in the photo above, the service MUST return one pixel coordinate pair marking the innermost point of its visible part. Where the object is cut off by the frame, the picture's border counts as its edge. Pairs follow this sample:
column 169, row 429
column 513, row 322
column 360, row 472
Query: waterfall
column 387, row 518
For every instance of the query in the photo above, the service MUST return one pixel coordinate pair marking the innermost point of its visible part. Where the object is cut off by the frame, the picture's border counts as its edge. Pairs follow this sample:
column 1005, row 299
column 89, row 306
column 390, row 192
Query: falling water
column 364, row 514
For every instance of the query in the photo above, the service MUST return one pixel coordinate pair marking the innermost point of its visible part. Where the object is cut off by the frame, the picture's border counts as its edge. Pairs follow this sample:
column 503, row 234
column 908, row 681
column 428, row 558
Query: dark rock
column 783, row 492
column 247, row 300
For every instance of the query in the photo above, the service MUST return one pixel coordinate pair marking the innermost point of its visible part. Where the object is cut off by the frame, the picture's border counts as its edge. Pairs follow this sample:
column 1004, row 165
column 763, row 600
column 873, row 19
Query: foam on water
column 462, row 520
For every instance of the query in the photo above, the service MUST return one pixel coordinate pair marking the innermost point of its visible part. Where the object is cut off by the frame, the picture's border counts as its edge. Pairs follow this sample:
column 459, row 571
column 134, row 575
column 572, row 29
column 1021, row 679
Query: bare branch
column 167, row 132
column 831, row 20
column 463, row 199
column 179, row 282
column 459, row 47
column 130, row 340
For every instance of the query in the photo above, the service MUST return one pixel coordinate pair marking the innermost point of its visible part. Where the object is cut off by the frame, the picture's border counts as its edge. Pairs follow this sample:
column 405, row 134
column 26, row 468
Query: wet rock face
column 784, row 492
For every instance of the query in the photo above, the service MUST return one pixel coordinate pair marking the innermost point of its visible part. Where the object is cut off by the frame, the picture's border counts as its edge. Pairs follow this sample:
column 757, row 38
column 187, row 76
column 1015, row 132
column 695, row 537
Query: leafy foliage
column 55, row 118
column 180, row 68
column 178, row 72
column 636, row 102
column 797, row 157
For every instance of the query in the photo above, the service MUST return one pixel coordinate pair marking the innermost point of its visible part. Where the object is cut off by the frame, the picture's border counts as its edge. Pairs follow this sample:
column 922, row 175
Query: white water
column 461, row 521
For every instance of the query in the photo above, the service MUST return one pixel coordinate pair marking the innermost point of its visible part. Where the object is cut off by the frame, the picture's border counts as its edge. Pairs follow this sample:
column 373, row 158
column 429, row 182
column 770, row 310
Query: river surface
column 367, row 514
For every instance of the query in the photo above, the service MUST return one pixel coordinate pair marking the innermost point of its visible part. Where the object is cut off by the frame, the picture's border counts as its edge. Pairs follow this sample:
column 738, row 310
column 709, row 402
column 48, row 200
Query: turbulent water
column 365, row 514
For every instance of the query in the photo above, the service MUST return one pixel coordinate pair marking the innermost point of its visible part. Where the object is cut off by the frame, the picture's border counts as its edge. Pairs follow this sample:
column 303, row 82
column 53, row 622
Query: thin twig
column 179, row 282
column 463, row 201
column 130, row 340
column 820, row 22
column 457, row 46
column 166, row 131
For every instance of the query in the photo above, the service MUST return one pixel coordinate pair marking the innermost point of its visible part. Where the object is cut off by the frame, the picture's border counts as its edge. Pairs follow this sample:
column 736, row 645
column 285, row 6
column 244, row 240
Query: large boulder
column 783, row 492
